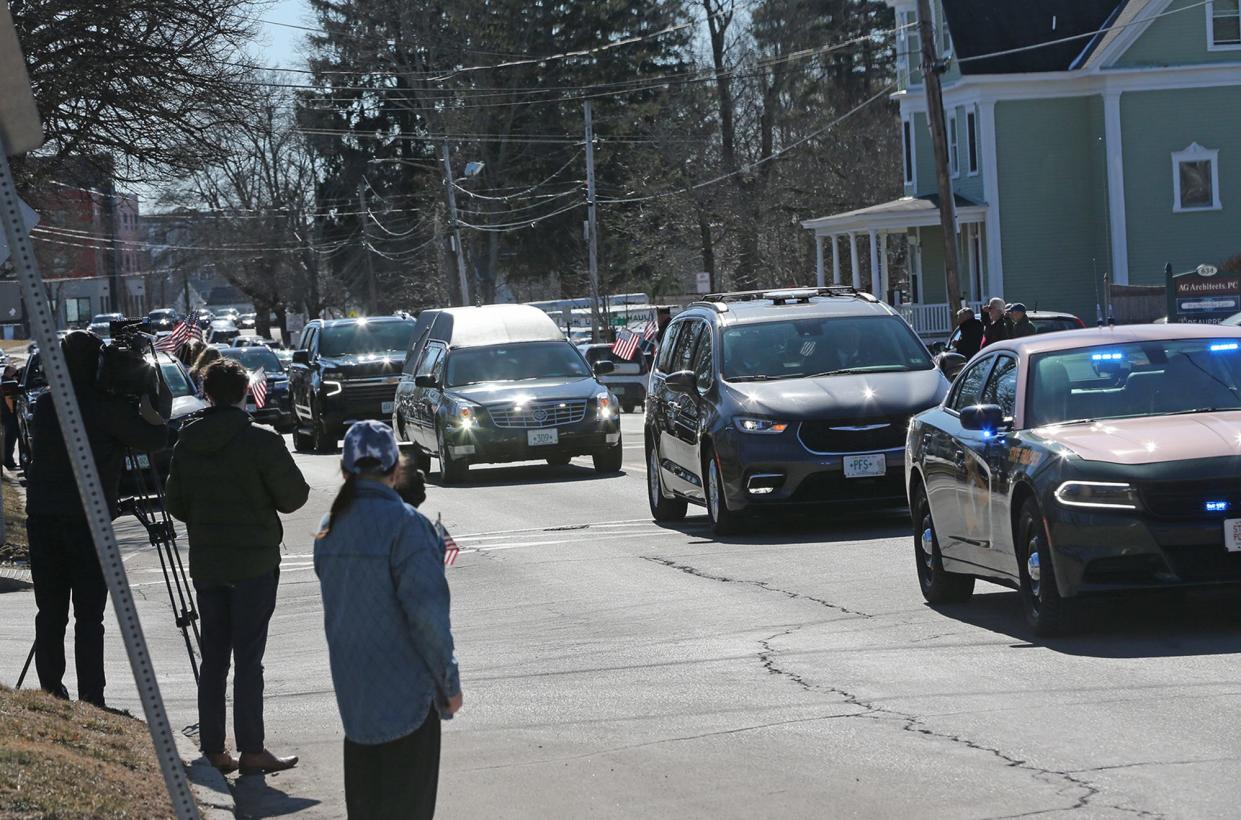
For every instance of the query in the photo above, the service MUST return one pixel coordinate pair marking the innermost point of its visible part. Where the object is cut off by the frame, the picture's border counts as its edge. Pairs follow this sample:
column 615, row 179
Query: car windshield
column 515, row 362
column 1154, row 378
column 818, row 346
column 365, row 337
column 255, row 358
column 178, row 384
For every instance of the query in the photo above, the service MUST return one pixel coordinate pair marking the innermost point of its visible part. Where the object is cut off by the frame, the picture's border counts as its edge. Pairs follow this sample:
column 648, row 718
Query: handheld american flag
column 258, row 388
column 451, row 550
column 626, row 344
column 173, row 341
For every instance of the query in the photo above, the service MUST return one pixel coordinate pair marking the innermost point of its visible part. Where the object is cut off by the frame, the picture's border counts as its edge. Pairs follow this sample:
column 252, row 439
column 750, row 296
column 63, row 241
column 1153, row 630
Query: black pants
column 395, row 780
column 234, row 620
column 65, row 568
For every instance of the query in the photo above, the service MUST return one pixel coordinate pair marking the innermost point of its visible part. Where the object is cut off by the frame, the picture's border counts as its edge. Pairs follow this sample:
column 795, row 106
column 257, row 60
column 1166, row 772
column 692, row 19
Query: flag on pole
column 258, row 388
column 626, row 344
column 173, row 341
column 451, row 550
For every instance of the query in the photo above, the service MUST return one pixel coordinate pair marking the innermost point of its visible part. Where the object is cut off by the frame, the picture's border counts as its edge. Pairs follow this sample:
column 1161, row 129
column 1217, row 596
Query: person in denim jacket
column 386, row 612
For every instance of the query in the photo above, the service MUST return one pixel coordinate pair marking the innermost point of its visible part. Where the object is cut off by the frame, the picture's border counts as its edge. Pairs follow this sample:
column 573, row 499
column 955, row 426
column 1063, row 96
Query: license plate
column 386, row 408
column 143, row 462
column 866, row 466
column 541, row 438
column 1232, row 535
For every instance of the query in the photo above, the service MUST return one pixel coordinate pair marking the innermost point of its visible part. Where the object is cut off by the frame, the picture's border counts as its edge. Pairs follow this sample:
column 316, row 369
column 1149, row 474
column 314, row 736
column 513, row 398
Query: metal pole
column 456, row 228
column 366, row 240
column 939, row 139
column 592, row 225
column 114, row 278
column 98, row 516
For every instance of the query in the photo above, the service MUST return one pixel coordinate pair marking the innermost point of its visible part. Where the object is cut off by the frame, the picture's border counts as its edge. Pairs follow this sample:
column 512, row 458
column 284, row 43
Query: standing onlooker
column 385, row 609
column 970, row 341
column 1021, row 324
column 8, row 415
column 204, row 360
column 228, row 480
column 996, row 326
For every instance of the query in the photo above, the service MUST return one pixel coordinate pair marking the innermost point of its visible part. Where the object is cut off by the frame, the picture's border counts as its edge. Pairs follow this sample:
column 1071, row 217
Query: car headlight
column 1107, row 495
column 332, row 388
column 760, row 426
column 465, row 416
column 604, row 405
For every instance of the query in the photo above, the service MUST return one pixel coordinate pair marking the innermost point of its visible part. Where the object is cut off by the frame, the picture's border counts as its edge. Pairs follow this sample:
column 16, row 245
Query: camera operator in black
column 63, row 561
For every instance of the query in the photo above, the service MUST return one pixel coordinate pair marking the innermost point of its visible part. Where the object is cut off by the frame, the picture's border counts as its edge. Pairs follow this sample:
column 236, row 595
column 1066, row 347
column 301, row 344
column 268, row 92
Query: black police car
column 783, row 398
column 345, row 370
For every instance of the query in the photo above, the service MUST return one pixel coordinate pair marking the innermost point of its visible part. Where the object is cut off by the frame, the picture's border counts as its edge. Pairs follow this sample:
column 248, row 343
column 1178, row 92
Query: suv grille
column 1186, row 499
column 858, row 436
column 369, row 392
column 539, row 414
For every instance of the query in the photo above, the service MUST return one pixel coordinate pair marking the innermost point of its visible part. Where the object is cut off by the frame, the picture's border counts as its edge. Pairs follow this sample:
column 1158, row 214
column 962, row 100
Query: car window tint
column 430, row 357
column 1001, row 388
column 667, row 348
column 968, row 390
column 437, row 367
column 702, row 359
column 686, row 345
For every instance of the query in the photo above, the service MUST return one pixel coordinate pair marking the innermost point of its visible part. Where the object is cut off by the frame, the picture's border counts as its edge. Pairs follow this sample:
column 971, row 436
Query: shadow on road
column 529, row 474
column 257, row 798
column 1148, row 625
column 795, row 527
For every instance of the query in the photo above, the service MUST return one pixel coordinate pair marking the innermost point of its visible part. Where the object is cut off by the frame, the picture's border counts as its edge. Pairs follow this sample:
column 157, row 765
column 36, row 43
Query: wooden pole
column 939, row 139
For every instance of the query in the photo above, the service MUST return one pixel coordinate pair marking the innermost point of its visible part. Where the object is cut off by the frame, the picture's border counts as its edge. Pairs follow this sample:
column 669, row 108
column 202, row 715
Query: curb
column 209, row 786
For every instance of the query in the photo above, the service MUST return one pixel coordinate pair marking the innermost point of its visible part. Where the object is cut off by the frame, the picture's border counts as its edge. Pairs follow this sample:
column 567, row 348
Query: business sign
column 1203, row 296
column 19, row 118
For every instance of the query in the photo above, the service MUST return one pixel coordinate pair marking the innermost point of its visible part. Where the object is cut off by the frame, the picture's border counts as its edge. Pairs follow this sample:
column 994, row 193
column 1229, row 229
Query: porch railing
column 932, row 321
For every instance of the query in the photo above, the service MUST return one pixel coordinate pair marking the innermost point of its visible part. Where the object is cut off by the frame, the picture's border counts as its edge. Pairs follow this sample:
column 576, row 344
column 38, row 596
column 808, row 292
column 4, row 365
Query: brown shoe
column 265, row 763
column 222, row 761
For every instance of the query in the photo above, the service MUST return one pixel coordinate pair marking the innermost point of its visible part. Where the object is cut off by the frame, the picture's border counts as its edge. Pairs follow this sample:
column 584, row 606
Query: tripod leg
column 22, row 678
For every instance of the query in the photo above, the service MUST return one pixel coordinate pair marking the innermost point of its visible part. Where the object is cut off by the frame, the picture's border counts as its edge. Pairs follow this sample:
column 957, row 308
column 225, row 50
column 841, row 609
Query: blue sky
column 278, row 45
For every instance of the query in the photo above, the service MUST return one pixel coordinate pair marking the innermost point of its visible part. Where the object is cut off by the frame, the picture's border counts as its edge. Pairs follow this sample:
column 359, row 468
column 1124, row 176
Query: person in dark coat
column 228, row 481
column 63, row 561
column 996, row 325
column 8, row 414
column 1022, row 326
column 970, row 341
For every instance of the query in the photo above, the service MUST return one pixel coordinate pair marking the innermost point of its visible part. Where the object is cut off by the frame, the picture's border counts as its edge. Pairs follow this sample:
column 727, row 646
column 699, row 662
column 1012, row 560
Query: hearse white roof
column 495, row 324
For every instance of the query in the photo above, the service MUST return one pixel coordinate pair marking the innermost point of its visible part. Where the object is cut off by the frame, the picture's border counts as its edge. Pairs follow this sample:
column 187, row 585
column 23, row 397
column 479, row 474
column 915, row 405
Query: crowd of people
column 999, row 321
column 379, row 561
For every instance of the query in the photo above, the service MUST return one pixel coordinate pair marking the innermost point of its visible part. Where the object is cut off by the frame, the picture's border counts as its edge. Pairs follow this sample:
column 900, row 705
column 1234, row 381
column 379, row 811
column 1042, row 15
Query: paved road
column 616, row 668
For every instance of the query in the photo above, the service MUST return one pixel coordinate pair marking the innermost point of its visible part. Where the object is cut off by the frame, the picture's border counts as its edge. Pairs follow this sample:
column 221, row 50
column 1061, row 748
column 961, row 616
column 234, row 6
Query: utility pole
column 939, row 139
column 592, row 225
column 366, row 240
column 456, row 229
column 115, row 284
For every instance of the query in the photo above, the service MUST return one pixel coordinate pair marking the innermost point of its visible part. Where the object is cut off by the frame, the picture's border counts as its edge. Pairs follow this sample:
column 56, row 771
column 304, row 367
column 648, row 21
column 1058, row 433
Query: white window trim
column 1211, row 44
column 915, row 35
column 954, row 151
column 972, row 170
column 1195, row 153
column 911, row 180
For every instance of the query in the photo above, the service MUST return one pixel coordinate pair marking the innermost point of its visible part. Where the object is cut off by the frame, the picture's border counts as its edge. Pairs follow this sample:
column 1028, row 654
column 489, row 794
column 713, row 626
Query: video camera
column 124, row 369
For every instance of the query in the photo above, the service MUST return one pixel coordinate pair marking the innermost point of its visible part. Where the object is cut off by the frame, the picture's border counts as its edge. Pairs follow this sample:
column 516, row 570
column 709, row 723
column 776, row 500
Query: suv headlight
column 604, row 405
column 1098, row 495
column 760, row 426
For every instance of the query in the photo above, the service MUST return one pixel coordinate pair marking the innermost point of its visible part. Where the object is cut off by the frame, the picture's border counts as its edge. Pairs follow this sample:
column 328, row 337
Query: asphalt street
column 613, row 667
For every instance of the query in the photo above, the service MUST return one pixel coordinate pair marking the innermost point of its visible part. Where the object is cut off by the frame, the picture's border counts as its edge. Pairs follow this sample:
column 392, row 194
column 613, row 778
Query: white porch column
column 991, row 192
column 818, row 259
column 1118, row 227
column 885, row 282
column 875, row 284
column 835, row 261
column 857, row 274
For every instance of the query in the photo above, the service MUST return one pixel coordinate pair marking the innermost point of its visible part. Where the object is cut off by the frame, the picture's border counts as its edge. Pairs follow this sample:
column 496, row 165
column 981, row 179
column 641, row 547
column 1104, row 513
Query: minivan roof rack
column 780, row 296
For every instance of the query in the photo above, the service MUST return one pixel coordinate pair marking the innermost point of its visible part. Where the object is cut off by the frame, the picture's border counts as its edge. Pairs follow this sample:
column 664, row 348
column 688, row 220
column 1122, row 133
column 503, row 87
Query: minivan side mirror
column 950, row 364
column 682, row 381
column 988, row 418
column 604, row 367
column 426, row 380
column 301, row 357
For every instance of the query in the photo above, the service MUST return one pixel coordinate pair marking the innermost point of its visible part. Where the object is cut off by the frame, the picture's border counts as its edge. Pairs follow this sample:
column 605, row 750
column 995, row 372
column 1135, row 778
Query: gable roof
column 987, row 26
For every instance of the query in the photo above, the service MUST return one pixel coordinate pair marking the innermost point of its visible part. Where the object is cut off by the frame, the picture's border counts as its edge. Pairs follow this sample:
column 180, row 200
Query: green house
column 1090, row 142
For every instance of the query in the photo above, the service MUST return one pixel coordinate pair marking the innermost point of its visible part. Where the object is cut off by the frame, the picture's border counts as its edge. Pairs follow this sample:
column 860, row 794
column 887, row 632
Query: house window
column 1195, row 179
column 954, row 157
column 971, row 138
column 907, row 140
column 1224, row 24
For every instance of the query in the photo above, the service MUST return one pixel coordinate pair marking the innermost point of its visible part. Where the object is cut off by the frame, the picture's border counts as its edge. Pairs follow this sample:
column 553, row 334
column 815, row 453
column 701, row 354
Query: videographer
column 63, row 561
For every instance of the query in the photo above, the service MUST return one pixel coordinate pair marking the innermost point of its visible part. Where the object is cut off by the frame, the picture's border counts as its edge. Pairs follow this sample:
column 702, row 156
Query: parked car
column 1083, row 463
column 164, row 319
column 345, row 370
column 783, row 399
column 253, row 341
column 222, row 331
column 1044, row 321
column 285, row 355
column 101, row 324
column 501, row 383
column 278, row 409
column 628, row 377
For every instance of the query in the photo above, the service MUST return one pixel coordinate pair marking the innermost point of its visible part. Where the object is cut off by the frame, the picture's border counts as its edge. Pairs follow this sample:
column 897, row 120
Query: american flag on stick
column 627, row 341
column 451, row 550
column 173, row 341
column 258, row 388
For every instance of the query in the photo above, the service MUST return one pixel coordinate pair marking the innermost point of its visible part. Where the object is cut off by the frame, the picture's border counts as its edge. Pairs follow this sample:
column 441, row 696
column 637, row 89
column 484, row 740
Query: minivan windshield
column 821, row 346
column 361, row 338
column 515, row 362
column 1155, row 378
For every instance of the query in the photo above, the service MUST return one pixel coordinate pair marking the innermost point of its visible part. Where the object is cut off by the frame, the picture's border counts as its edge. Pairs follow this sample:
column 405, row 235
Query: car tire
column 324, row 440
column 938, row 585
column 662, row 509
column 559, row 461
column 451, row 471
column 723, row 520
column 1047, row 613
column 302, row 442
column 610, row 459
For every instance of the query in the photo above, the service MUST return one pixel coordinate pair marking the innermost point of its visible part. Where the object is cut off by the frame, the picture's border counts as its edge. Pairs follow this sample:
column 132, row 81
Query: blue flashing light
column 1224, row 347
column 1217, row 506
column 1107, row 357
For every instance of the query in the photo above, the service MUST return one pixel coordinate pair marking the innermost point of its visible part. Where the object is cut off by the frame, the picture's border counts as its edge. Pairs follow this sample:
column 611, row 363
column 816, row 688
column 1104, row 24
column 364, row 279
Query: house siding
column 1179, row 38
column 1053, row 202
column 1155, row 125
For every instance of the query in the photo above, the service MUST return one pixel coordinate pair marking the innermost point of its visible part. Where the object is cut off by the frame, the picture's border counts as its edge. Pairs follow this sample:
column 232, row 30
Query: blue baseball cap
column 369, row 440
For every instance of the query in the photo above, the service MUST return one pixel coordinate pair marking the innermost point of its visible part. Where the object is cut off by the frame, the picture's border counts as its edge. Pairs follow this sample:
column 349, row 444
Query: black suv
column 345, row 370
column 783, row 398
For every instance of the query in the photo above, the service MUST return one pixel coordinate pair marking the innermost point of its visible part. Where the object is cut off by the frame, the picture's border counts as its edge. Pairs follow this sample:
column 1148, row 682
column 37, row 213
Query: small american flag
column 258, row 388
column 451, row 550
column 173, row 341
column 626, row 344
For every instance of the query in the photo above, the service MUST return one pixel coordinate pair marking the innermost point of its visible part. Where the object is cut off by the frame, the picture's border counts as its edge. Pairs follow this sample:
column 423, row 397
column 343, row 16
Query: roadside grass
column 71, row 760
column 15, row 549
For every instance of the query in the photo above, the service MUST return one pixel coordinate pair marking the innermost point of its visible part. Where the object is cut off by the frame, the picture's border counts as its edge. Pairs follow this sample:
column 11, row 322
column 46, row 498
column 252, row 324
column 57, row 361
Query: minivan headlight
column 760, row 426
column 1108, row 495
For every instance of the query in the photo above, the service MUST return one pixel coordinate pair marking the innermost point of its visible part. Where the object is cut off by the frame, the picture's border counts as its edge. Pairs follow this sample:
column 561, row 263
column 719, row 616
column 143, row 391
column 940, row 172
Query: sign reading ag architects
column 1203, row 296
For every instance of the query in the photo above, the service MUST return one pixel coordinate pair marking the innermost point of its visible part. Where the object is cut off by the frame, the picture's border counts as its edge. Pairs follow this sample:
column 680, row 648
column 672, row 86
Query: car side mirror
column 427, row 381
column 988, row 418
column 682, row 381
column 604, row 367
column 301, row 357
column 950, row 364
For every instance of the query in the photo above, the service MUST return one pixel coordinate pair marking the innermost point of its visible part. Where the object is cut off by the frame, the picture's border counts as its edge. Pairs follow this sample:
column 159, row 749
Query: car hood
column 532, row 390
column 185, row 405
column 364, row 365
column 1150, row 439
column 877, row 395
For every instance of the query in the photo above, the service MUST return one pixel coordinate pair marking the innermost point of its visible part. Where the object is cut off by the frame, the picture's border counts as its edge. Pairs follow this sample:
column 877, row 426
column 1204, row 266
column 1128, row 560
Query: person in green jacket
column 228, row 480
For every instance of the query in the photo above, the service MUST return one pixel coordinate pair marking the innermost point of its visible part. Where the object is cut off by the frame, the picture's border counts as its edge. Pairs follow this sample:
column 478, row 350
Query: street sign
column 29, row 217
column 1203, row 295
column 704, row 283
column 19, row 118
